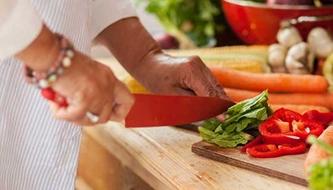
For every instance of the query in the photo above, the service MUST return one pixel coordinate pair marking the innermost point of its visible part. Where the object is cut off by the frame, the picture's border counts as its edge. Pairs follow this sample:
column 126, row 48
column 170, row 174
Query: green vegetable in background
column 321, row 173
column 240, row 120
column 189, row 20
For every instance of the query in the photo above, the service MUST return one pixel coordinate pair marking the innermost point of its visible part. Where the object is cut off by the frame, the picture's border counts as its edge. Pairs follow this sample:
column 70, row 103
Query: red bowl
column 257, row 23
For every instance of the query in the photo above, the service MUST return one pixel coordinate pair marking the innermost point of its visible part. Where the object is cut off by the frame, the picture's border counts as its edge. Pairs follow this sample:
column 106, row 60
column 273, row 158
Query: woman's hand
column 161, row 73
column 316, row 153
column 142, row 57
column 91, row 87
column 87, row 85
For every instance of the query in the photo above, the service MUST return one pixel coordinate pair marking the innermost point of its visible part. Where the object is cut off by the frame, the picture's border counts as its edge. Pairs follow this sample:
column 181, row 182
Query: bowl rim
column 277, row 6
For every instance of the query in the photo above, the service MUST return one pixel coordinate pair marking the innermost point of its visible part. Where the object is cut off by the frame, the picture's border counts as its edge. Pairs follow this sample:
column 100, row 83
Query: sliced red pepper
column 272, row 150
column 288, row 127
column 264, row 151
column 323, row 118
column 289, row 149
column 254, row 142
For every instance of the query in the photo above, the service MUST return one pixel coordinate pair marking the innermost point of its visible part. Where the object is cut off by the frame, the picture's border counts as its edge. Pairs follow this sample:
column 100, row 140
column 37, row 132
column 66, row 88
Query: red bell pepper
column 288, row 127
column 273, row 150
column 254, row 142
column 320, row 117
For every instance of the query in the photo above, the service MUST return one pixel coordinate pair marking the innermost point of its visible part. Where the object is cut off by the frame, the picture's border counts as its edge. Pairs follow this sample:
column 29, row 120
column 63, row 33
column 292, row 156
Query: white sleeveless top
column 36, row 151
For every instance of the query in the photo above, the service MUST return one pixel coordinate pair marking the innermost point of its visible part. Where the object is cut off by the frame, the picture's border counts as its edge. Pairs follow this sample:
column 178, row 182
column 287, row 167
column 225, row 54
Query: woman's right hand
column 90, row 86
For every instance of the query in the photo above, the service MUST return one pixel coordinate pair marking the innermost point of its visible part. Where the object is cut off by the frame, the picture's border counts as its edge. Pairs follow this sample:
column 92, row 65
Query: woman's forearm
column 130, row 43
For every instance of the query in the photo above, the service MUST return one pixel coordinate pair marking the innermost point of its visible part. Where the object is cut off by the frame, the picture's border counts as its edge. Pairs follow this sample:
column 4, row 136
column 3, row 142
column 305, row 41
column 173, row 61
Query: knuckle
column 196, row 65
column 195, row 59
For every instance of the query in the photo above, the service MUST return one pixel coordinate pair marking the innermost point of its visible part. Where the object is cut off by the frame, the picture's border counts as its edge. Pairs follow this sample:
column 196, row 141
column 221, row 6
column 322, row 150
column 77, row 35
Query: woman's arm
column 38, row 48
column 138, row 52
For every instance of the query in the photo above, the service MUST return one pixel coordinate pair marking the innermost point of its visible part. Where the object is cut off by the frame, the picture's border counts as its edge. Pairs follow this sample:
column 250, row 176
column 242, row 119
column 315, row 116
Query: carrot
column 299, row 108
column 318, row 99
column 276, row 82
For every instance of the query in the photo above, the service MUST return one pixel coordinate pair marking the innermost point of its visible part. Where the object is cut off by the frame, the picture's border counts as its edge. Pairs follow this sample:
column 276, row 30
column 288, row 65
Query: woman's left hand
column 164, row 74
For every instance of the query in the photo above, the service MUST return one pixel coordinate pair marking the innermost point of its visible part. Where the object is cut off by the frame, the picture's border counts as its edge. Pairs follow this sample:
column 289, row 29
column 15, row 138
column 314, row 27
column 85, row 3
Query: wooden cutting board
column 288, row 168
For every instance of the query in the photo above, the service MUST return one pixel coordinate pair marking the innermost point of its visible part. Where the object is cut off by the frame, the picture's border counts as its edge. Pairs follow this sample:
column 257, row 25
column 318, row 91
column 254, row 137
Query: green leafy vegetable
column 321, row 173
column 240, row 119
column 197, row 20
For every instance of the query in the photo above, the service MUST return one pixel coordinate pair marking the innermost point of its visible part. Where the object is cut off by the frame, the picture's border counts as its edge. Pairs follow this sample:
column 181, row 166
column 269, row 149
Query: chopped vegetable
column 252, row 143
column 323, row 118
column 276, row 82
column 273, row 150
column 284, row 133
column 239, row 121
column 321, row 173
column 288, row 127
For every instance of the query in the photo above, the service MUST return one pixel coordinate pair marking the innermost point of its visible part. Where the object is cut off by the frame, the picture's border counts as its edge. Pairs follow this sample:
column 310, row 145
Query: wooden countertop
column 162, row 157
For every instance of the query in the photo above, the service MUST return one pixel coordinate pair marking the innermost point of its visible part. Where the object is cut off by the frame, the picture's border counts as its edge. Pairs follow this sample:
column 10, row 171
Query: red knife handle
column 51, row 95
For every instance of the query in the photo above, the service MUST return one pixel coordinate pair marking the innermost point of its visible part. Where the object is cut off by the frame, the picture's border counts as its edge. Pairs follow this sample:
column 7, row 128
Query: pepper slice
column 288, row 127
column 264, row 151
column 254, row 142
column 273, row 150
column 320, row 117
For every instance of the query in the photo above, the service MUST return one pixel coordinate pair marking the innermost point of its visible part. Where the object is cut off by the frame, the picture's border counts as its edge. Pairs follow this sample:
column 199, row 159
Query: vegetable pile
column 292, row 55
column 321, row 173
column 283, row 132
column 240, row 120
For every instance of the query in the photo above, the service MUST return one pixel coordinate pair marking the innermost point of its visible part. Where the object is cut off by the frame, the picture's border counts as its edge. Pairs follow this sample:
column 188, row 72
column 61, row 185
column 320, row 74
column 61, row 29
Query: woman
column 39, row 147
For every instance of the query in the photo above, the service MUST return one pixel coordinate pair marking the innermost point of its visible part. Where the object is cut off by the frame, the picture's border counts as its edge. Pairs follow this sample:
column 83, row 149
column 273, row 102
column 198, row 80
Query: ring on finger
column 93, row 118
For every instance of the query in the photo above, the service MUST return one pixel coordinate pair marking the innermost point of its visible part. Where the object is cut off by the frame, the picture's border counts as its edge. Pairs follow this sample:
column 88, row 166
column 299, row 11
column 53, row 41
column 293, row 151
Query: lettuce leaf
column 240, row 118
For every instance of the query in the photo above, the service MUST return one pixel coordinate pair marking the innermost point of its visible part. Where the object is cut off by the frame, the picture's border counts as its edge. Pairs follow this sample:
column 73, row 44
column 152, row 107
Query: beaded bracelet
column 45, row 79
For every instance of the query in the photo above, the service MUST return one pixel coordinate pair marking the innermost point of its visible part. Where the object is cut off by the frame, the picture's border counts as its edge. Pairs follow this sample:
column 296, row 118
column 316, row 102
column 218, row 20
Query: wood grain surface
column 288, row 168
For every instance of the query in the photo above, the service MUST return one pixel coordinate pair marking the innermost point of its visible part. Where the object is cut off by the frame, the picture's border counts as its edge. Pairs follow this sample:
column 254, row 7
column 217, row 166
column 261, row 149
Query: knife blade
column 161, row 110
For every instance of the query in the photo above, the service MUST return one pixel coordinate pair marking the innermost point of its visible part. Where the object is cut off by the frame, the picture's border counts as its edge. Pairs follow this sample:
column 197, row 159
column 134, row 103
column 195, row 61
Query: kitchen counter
column 162, row 158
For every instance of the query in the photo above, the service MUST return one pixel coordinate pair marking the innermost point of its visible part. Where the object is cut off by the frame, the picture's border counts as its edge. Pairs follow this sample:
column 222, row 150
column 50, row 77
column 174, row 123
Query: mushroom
column 300, row 59
column 276, row 56
column 289, row 36
column 320, row 42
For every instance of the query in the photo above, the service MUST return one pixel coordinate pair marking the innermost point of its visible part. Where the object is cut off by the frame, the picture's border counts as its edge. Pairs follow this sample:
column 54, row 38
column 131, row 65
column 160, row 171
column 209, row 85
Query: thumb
column 123, row 101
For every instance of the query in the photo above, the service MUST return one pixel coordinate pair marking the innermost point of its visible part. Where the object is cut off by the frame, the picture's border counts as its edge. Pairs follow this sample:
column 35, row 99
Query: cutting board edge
column 198, row 149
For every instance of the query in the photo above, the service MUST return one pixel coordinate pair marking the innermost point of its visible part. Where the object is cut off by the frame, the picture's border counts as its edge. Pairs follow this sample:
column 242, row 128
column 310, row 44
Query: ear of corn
column 243, row 58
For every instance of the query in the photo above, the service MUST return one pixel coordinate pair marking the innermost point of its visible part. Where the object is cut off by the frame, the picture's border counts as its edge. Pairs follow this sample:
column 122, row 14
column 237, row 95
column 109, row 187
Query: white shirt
column 36, row 151
column 20, row 23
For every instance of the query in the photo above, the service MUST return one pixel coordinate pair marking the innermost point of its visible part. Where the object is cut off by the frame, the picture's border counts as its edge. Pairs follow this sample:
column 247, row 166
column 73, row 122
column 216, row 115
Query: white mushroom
column 276, row 56
column 300, row 59
column 289, row 36
column 320, row 42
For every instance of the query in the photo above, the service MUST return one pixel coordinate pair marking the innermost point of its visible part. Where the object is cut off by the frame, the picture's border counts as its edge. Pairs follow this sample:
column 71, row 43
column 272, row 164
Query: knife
column 161, row 110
